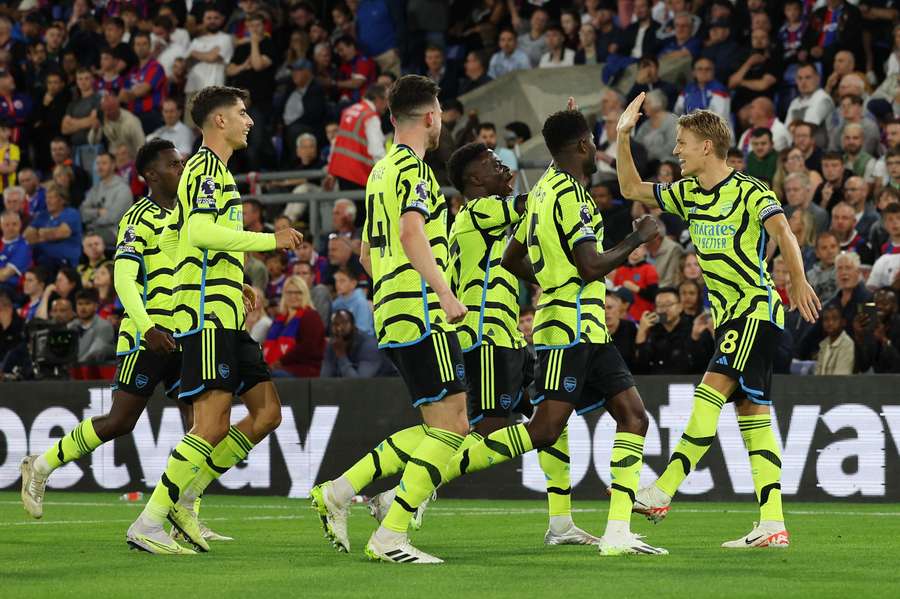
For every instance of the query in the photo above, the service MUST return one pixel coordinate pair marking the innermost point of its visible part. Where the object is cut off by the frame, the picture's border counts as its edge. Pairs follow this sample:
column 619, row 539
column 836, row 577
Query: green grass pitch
column 492, row 549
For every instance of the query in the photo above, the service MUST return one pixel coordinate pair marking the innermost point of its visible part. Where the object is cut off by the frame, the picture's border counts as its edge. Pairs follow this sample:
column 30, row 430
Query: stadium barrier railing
column 840, row 438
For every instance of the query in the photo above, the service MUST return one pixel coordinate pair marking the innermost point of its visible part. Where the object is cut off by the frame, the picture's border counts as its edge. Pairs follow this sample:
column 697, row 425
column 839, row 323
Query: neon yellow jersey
column 406, row 308
column 208, row 283
column 561, row 215
column 489, row 291
column 138, row 240
column 726, row 226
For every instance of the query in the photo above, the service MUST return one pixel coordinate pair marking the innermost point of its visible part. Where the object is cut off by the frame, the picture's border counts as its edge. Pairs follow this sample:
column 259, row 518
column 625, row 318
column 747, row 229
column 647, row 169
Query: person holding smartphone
column 670, row 342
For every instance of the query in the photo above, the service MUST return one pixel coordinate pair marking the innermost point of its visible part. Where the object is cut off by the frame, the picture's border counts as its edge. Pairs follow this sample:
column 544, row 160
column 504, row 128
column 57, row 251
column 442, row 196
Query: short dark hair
column 734, row 153
column 409, row 93
column 854, row 99
column 892, row 208
column 139, row 33
column 824, row 234
column 40, row 273
column 253, row 202
column 807, row 124
column 149, row 152
column 761, row 132
column 346, row 40
column 555, row 26
column 832, row 155
column 278, row 255
column 375, row 91
column 256, row 15
column 672, row 290
column 165, row 22
column 893, row 152
column 460, row 160
column 488, row 126
column 117, row 21
column 562, row 128
column 346, row 312
column 210, row 98
column 89, row 294
column 349, row 272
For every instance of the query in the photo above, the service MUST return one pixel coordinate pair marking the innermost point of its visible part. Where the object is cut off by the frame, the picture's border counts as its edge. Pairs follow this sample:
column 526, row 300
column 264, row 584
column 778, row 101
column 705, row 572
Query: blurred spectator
column 657, row 132
column 823, row 277
column 837, row 25
column 757, row 76
column 690, row 294
column 65, row 285
column 10, row 155
column 255, row 271
column 173, row 129
column 324, row 70
column 258, row 322
column 376, row 33
column 253, row 217
column 812, row 104
column 843, row 225
column 508, row 57
column 252, row 67
column 487, row 134
column 351, row 298
column 146, row 85
column 124, row 165
column 15, row 253
column 683, row 43
column 102, row 282
column 110, row 80
column 704, row 93
column 790, row 161
column 781, row 279
column 340, row 253
column 857, row 160
column 622, row 331
column 761, row 114
column 475, row 73
column 639, row 38
column 118, row 126
column 14, row 201
column 721, row 48
column 647, row 80
column 352, row 354
column 306, row 107
column 54, row 38
column 35, row 193
column 852, row 112
column 639, row 277
column 55, row 235
column 526, row 326
column 295, row 343
column 665, row 256
column 803, row 226
column 587, row 51
column 307, row 155
column 16, row 107
column 557, row 54
column 168, row 42
column 113, row 33
column 34, row 281
column 836, row 351
column 359, row 143
column 82, row 116
column 614, row 210
column 320, row 294
column 106, row 201
column 803, row 135
column 798, row 194
column 851, row 290
column 178, row 81
column 276, row 265
column 533, row 42
column 48, row 117
column 12, row 329
column 96, row 337
column 209, row 53
column 668, row 342
column 445, row 75
column 876, row 335
column 94, row 255
column 879, row 238
column 856, row 195
column 690, row 269
column 343, row 219
column 762, row 160
column 355, row 72
column 62, row 312
column 831, row 191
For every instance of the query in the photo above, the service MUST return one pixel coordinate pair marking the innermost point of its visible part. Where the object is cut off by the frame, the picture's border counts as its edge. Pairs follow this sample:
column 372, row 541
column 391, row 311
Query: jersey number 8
column 729, row 342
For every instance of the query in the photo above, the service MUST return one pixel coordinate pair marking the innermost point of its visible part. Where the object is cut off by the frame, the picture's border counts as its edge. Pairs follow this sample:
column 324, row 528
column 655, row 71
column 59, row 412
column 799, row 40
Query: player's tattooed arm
column 594, row 266
column 515, row 260
column 629, row 179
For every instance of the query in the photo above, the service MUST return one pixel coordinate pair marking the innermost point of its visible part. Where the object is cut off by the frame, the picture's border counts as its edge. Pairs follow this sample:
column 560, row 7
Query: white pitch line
column 80, row 522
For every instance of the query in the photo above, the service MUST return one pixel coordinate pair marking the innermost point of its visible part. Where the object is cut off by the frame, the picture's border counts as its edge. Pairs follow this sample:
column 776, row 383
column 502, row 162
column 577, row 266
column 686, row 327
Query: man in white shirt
column 168, row 42
column 892, row 140
column 209, row 53
column 813, row 104
column 508, row 58
column 174, row 130
column 762, row 114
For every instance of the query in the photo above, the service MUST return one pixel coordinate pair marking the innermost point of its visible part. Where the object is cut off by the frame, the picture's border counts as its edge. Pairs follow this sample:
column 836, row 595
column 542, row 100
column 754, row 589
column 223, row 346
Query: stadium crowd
column 811, row 87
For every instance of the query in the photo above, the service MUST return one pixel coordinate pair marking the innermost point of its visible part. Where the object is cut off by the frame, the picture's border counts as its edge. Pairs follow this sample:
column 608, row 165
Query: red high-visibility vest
column 350, row 158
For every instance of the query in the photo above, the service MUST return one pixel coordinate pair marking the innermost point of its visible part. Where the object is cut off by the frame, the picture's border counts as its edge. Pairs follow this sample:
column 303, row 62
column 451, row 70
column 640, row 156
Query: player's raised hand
column 159, row 341
column 288, row 239
column 630, row 117
column 803, row 298
column 647, row 228
column 452, row 307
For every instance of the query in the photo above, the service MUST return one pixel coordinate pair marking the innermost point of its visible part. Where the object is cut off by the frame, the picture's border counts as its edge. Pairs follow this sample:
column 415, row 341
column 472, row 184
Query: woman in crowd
column 803, row 226
column 690, row 294
column 790, row 161
column 258, row 322
column 66, row 285
column 295, row 343
column 103, row 283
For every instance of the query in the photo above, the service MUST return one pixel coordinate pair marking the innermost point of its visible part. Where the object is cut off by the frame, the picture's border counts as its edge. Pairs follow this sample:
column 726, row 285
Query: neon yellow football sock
column 554, row 462
column 498, row 447
column 78, row 442
column 765, row 462
column 625, row 469
column 387, row 458
column 232, row 450
column 184, row 464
